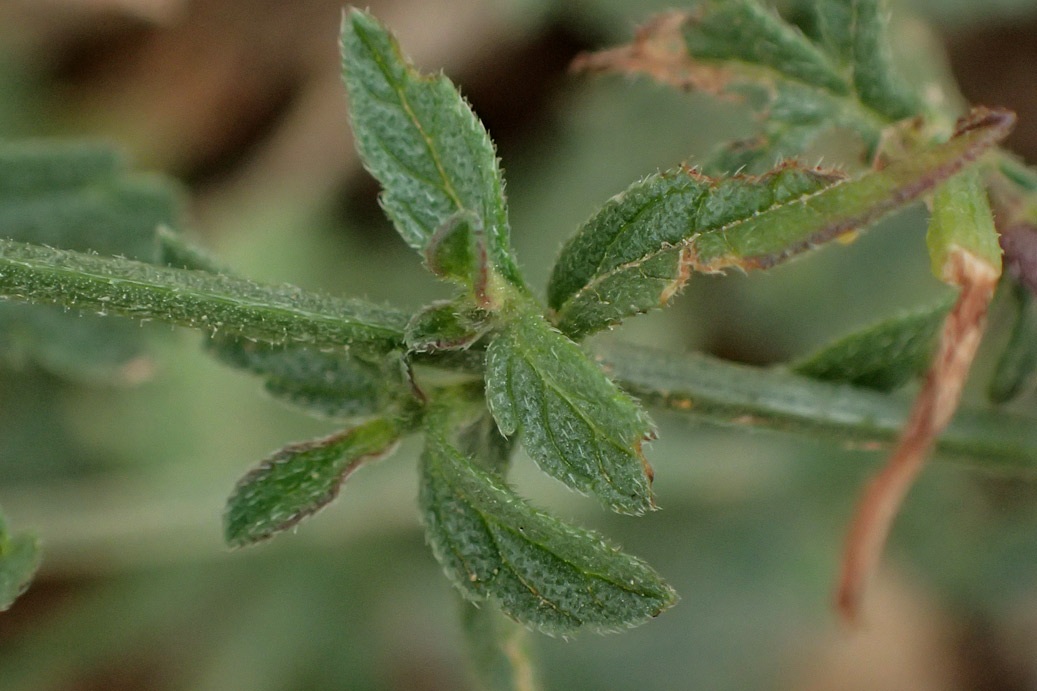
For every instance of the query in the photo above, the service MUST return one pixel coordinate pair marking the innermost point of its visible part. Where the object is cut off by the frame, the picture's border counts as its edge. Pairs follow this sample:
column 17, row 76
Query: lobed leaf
column 540, row 571
column 883, row 357
column 575, row 423
column 19, row 560
column 1017, row 365
column 640, row 249
column 301, row 479
column 423, row 143
column 196, row 299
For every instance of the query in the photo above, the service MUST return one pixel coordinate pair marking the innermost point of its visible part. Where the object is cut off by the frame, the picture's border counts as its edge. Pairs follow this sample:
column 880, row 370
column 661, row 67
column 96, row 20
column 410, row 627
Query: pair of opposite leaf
column 444, row 192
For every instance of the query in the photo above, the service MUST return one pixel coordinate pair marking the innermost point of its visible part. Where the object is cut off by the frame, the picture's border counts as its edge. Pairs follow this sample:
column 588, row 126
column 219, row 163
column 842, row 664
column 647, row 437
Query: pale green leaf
column 640, row 249
column 300, row 479
column 219, row 304
column 422, row 141
column 574, row 422
column 540, row 571
column 884, row 356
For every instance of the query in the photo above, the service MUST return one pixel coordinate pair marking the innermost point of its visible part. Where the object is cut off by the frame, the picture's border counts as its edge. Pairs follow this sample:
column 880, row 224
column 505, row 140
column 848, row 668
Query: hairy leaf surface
column 540, row 571
column 882, row 357
column 196, row 299
column 640, row 249
column 301, row 479
column 422, row 141
column 575, row 423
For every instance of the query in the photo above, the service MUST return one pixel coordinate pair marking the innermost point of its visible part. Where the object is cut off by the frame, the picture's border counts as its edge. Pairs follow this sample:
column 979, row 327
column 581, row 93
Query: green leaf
column 196, row 299
column 19, row 560
column 482, row 442
column 82, row 197
column 329, row 383
column 422, row 141
column 574, row 422
column 875, row 77
column 301, row 479
column 708, row 389
column 78, row 196
column 883, row 357
column 746, row 32
column 446, row 325
column 540, row 571
column 1018, row 362
column 834, row 20
column 640, row 249
column 332, row 384
column 498, row 650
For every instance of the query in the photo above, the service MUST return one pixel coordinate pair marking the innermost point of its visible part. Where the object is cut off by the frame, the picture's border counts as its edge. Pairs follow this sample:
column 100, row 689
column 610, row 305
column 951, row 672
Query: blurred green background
column 125, row 483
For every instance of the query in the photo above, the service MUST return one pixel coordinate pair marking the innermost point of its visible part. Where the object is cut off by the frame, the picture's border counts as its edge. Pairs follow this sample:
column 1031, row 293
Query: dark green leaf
column 746, row 32
column 874, row 76
column 219, row 304
column 329, row 383
column 482, row 442
column 333, row 384
column 19, row 560
column 540, row 571
column 574, row 422
column 1018, row 363
column 640, row 249
column 423, row 143
column 301, row 479
column 713, row 390
column 834, row 19
column 882, row 357
column 498, row 650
